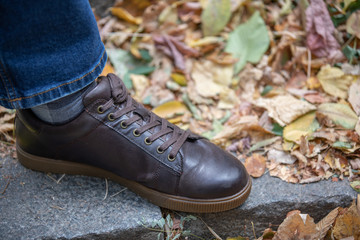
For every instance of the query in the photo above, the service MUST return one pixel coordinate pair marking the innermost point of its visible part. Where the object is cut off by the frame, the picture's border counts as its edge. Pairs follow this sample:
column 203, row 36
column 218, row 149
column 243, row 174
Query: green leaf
column 277, row 129
column 215, row 16
column 340, row 114
column 125, row 64
column 342, row 145
column 355, row 185
column 263, row 143
column 266, row 90
column 249, row 41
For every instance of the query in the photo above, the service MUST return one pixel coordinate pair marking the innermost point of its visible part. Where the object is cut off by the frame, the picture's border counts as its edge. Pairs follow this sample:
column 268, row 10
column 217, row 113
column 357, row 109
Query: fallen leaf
column 179, row 79
column 211, row 79
column 107, row 69
column 320, row 29
column 215, row 16
column 170, row 109
column 334, row 81
column 263, row 143
column 282, row 171
column 255, row 165
column 340, row 114
column 353, row 24
column 140, row 83
column 280, row 157
column 348, row 224
column 355, row 185
column 125, row 15
column 302, row 126
column 248, row 42
column 326, row 223
column 284, row 109
column 297, row 226
column 354, row 96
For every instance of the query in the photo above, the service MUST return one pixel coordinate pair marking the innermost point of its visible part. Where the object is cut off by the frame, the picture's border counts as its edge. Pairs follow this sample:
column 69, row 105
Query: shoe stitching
column 130, row 140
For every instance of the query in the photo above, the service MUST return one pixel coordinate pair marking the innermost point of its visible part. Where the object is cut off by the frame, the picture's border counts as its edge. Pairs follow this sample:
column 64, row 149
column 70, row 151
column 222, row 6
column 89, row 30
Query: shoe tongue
column 101, row 91
column 107, row 87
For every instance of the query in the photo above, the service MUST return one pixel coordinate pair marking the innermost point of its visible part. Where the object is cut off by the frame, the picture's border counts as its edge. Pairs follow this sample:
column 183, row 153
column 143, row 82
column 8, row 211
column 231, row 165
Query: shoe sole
column 173, row 202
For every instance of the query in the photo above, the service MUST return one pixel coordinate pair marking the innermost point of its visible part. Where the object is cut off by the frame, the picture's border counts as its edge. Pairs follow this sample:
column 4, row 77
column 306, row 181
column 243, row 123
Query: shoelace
column 120, row 96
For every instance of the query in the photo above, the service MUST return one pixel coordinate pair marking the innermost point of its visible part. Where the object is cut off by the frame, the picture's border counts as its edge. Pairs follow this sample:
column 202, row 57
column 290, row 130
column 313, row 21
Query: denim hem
column 63, row 89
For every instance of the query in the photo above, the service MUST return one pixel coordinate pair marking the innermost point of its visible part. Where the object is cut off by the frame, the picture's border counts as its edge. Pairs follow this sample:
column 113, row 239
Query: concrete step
column 35, row 205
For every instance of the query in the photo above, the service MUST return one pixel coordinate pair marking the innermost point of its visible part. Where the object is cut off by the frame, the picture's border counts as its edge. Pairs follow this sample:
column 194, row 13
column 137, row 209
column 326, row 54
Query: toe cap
column 210, row 172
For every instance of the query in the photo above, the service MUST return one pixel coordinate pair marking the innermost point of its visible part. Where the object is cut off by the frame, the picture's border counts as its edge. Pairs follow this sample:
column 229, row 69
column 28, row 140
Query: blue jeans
column 48, row 49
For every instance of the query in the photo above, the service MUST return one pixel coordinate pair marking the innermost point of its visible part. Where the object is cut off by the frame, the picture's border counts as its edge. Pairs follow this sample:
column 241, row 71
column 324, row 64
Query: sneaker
column 119, row 139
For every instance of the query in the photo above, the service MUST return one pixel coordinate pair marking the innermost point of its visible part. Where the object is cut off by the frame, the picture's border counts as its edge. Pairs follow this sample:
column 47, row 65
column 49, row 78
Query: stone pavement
column 34, row 205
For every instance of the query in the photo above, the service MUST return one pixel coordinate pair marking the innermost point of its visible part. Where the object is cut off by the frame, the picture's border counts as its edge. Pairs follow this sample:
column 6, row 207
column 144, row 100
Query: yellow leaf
column 340, row 114
column 205, row 41
column 303, row 126
column 313, row 83
column 170, row 109
column 334, row 81
column 125, row 15
column 179, row 79
column 134, row 49
column 107, row 69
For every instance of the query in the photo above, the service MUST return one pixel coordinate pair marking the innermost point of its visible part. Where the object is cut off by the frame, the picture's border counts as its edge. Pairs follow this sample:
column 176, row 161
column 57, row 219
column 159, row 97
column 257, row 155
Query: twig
column 58, row 181
column 52, row 178
column 309, row 64
column 6, row 186
column 57, row 207
column 211, row 230
column 118, row 192
column 107, row 189
column 253, row 228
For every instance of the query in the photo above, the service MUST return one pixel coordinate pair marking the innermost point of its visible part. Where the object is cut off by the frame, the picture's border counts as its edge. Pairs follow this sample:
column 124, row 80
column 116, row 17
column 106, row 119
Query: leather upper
column 200, row 170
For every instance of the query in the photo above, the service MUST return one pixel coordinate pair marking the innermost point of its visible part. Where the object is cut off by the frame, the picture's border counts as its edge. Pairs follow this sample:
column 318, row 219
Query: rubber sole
column 173, row 202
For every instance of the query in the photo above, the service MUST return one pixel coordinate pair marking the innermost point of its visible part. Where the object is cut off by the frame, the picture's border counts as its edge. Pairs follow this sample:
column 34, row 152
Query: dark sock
column 62, row 110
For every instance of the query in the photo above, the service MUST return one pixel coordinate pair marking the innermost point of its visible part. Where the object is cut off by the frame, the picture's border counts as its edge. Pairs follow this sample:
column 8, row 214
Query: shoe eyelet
column 159, row 151
column 171, row 158
column 111, row 117
column 136, row 133
column 123, row 125
column 147, row 141
column 100, row 109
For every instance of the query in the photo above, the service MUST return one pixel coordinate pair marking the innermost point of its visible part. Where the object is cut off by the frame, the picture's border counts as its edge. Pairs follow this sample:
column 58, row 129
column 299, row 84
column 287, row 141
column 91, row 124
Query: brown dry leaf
column 320, row 29
column 284, row 172
column 326, row 223
column 284, row 109
column 255, row 165
column 280, row 157
column 233, row 130
column 334, row 81
column 175, row 49
column 353, row 24
column 355, row 163
column 151, row 14
column 354, row 96
column 348, row 224
column 297, row 226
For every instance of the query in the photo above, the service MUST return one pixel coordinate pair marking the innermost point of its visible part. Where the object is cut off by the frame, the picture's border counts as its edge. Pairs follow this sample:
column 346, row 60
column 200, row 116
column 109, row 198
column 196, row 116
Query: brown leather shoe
column 117, row 138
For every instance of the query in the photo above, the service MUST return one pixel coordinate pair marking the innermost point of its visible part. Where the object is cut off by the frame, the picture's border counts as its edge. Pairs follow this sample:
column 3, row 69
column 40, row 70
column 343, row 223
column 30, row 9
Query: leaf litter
column 274, row 82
